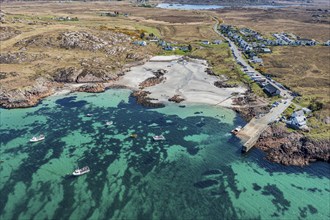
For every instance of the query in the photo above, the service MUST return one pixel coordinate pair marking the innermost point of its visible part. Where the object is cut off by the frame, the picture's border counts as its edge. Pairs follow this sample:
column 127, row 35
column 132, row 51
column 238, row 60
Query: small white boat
column 108, row 123
column 89, row 115
column 236, row 130
column 158, row 138
column 79, row 172
column 39, row 138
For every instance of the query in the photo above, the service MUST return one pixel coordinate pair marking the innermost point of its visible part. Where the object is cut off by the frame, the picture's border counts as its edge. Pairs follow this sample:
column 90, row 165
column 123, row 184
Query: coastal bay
column 199, row 164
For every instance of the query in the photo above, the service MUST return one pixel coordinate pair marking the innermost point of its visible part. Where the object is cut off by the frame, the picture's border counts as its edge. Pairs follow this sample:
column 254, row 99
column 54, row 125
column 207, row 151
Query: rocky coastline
column 28, row 97
column 280, row 146
column 292, row 148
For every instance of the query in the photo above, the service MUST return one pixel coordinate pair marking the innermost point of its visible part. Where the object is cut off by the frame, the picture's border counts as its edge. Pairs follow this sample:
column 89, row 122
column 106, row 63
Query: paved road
column 251, row 132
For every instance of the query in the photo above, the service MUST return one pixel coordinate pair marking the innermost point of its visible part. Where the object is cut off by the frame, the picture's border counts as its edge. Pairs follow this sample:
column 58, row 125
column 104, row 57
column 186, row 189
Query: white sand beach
column 185, row 78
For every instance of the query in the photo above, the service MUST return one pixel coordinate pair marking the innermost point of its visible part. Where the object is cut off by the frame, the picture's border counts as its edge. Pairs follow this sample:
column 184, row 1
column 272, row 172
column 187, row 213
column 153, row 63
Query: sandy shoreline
column 187, row 79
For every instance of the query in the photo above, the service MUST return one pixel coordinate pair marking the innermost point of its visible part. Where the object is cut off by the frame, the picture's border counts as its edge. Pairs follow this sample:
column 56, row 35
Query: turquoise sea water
column 198, row 172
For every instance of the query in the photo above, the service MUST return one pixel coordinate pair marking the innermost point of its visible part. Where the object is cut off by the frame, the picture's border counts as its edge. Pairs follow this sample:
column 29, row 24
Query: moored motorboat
column 236, row 130
column 133, row 135
column 108, row 123
column 79, row 172
column 89, row 115
column 39, row 138
column 158, row 138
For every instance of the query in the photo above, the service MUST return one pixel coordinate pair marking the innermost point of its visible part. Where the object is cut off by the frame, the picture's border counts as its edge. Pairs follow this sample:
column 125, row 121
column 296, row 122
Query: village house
column 298, row 120
column 266, row 50
column 205, row 42
column 184, row 48
column 140, row 43
column 217, row 42
column 307, row 111
column 168, row 48
column 162, row 43
column 327, row 43
column 307, row 42
column 110, row 14
column 271, row 90
column 256, row 59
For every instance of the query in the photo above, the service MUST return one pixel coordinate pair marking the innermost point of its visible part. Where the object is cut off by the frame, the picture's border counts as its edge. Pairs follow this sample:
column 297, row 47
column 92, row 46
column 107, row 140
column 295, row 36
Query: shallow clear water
column 198, row 172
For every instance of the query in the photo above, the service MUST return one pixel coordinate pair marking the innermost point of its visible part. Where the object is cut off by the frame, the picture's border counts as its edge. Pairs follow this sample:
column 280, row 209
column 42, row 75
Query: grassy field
column 305, row 70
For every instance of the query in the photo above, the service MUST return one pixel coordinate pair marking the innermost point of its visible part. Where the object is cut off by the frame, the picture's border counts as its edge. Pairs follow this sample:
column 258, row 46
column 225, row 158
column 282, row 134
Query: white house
column 266, row 50
column 298, row 119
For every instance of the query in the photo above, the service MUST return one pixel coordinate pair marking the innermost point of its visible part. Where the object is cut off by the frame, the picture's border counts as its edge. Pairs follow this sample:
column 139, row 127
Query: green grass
column 288, row 112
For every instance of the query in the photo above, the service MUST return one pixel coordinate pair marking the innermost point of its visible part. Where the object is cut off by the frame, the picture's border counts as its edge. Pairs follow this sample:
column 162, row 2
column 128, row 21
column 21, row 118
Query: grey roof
column 299, row 113
column 269, row 88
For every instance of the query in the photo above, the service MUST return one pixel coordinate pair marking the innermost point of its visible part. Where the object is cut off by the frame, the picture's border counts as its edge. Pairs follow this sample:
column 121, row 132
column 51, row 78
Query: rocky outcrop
column 292, row 148
column 159, row 73
column 27, row 97
column 19, row 57
column 83, row 75
column 210, row 72
column 110, row 42
column 251, row 106
column 221, row 84
column 8, row 32
column 143, row 99
column 5, row 75
column 151, row 81
column 68, row 75
column 81, row 40
column 176, row 98
column 94, row 75
column 92, row 88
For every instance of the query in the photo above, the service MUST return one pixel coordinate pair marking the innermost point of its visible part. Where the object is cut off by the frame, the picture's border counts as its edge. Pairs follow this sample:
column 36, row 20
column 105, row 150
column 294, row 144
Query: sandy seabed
column 186, row 78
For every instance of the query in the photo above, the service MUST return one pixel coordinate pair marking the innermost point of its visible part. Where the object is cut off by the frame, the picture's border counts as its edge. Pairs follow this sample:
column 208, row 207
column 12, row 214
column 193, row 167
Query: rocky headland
column 43, row 63
column 292, row 148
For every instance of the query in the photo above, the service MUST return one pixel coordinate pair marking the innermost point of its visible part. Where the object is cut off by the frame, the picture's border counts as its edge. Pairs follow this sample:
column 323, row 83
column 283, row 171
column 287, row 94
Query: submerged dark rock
column 212, row 172
column 205, row 183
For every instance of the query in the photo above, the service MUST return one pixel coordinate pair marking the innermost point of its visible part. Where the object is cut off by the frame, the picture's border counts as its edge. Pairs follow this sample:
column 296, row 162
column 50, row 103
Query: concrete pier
column 251, row 132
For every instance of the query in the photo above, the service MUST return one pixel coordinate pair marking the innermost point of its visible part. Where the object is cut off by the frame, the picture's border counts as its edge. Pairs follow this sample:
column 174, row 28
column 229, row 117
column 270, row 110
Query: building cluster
column 266, row 83
column 170, row 46
column 67, row 18
column 113, row 14
column 252, row 43
column 284, row 39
